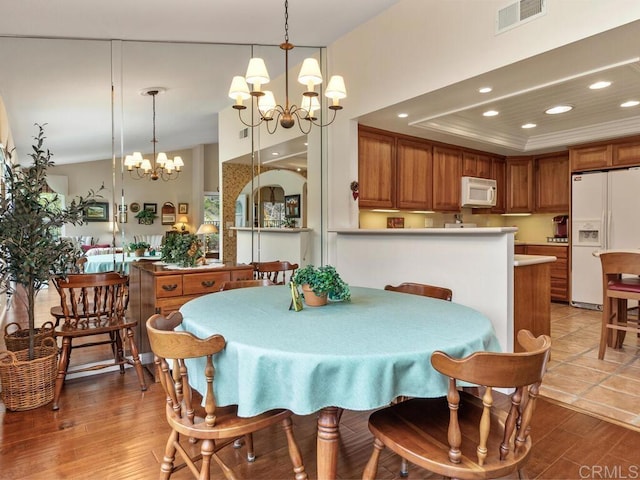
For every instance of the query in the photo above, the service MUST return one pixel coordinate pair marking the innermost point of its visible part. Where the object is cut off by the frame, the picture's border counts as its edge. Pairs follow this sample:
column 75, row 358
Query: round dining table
column 113, row 262
column 357, row 355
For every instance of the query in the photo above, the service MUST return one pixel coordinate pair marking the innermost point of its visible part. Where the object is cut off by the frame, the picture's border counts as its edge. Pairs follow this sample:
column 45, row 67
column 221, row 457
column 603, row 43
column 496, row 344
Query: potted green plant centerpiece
column 182, row 250
column 320, row 283
column 139, row 248
column 30, row 253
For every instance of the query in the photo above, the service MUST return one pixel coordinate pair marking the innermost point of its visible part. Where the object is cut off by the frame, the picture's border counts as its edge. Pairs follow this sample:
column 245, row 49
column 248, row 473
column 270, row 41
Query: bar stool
column 617, row 290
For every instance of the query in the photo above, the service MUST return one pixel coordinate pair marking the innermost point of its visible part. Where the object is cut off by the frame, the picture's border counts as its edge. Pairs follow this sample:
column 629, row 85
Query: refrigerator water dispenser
column 587, row 233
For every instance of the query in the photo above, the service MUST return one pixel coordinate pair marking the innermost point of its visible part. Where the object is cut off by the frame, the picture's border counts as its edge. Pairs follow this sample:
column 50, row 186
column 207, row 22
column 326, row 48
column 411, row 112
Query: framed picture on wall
column 97, row 212
column 122, row 217
column 151, row 206
column 183, row 208
column 292, row 206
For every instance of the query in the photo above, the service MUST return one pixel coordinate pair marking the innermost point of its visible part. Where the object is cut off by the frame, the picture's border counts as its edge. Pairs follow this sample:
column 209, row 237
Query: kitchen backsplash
column 531, row 229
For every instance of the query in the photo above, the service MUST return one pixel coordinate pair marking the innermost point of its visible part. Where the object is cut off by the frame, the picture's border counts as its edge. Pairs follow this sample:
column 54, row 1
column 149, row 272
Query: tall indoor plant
column 29, row 222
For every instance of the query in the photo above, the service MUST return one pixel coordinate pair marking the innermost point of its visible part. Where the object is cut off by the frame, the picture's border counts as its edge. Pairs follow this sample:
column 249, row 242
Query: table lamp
column 183, row 221
column 206, row 229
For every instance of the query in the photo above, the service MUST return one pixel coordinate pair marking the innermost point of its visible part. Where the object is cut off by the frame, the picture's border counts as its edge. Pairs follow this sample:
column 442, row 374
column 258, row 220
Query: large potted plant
column 31, row 253
column 320, row 283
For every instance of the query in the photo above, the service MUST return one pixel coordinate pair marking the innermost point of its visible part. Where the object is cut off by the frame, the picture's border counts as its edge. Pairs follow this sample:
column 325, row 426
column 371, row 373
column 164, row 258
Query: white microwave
column 478, row 192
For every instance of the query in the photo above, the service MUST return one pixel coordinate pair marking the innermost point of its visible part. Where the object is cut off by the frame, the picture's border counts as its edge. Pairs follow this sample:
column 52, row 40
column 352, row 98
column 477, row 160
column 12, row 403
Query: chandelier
column 286, row 116
column 162, row 167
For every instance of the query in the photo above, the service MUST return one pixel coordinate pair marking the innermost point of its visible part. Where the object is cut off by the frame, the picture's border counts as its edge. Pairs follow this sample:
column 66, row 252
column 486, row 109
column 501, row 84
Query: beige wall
column 187, row 188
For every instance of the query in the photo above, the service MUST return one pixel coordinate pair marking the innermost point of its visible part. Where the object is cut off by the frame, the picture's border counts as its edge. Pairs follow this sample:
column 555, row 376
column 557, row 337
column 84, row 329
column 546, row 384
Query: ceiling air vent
column 518, row 13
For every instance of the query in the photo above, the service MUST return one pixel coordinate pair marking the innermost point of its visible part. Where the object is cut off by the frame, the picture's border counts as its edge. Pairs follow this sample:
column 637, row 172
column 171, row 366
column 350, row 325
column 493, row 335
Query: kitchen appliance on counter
column 604, row 216
column 561, row 226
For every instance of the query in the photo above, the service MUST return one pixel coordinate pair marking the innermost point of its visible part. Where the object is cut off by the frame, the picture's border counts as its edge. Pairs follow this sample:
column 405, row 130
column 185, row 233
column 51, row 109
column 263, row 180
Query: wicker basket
column 28, row 384
column 19, row 338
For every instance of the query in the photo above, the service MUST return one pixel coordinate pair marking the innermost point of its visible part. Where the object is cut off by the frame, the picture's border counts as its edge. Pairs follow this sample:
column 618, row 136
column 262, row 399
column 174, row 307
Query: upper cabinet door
column 519, row 185
column 552, row 182
column 476, row 165
column 376, row 169
column 414, row 169
column 590, row 158
column 447, row 172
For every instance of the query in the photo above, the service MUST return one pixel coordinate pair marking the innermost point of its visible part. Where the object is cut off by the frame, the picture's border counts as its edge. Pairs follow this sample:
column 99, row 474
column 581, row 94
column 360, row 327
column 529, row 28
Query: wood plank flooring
column 107, row 428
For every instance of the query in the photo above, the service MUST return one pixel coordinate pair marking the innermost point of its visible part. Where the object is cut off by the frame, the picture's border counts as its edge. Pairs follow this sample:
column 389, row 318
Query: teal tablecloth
column 357, row 355
column 112, row 262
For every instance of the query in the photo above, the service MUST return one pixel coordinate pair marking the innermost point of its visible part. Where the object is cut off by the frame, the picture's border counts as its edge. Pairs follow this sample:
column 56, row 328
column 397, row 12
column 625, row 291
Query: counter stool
column 617, row 290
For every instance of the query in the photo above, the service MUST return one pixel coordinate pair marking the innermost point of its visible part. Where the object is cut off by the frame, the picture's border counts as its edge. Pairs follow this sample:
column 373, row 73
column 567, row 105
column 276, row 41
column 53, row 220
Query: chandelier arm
column 275, row 120
column 321, row 125
column 249, row 124
column 299, row 122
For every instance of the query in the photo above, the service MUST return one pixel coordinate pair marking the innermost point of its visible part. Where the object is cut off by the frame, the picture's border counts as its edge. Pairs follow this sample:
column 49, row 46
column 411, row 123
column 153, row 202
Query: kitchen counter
column 524, row 260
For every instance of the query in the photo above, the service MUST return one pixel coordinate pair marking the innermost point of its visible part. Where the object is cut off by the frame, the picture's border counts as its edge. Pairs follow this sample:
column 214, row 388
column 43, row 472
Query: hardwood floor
column 107, row 428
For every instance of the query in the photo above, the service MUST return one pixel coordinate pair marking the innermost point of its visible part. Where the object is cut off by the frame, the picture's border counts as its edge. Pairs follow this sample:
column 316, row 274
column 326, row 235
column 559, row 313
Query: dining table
column 114, row 262
column 357, row 355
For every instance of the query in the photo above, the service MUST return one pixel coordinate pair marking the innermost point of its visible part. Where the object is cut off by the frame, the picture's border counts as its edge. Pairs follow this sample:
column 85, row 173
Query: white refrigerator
column 605, row 215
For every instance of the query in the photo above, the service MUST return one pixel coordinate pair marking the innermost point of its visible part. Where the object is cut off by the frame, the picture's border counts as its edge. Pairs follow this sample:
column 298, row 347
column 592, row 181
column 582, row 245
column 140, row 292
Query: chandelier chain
column 286, row 21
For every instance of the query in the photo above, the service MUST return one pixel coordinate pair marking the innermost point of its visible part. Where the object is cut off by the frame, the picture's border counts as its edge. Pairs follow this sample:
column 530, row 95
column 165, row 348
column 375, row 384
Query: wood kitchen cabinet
column 447, row 171
column 552, row 183
column 519, row 197
column 414, row 167
column 625, row 154
column 559, row 268
column 590, row 158
column 531, row 303
column 476, row 165
column 376, row 168
column 156, row 289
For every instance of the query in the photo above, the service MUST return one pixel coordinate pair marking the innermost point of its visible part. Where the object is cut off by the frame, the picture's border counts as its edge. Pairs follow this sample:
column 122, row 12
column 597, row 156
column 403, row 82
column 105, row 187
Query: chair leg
column 207, row 449
column 604, row 331
column 294, row 450
column 119, row 351
column 63, row 363
column 137, row 364
column 371, row 469
column 166, row 468
column 404, row 468
column 251, row 453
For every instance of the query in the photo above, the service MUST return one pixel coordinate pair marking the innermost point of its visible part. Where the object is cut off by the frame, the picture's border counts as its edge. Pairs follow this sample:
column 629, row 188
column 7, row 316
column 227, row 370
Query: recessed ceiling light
column 558, row 109
column 275, row 154
column 599, row 85
column 485, row 89
column 403, row 115
column 490, row 113
column 630, row 103
column 529, row 125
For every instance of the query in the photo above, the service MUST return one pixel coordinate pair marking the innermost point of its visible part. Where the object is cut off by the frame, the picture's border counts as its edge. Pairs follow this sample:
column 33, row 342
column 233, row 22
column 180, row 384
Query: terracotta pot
column 140, row 252
column 311, row 299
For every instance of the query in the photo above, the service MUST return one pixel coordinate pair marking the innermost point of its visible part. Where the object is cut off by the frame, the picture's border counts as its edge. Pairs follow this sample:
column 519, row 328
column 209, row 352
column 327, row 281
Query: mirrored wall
column 89, row 95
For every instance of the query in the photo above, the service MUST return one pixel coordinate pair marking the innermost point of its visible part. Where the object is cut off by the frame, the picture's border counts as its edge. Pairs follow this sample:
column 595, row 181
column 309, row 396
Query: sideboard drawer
column 170, row 286
column 208, row 282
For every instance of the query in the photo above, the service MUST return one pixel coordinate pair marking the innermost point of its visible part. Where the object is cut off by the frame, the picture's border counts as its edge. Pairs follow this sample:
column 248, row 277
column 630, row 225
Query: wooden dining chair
column 216, row 427
column 233, row 284
column 617, row 290
column 94, row 304
column 425, row 290
column 462, row 435
column 278, row 272
column 422, row 289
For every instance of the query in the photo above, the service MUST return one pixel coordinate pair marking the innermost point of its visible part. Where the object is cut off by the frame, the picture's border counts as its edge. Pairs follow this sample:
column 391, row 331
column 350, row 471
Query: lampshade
column 162, row 159
column 257, row 73
column 146, row 165
column 266, row 104
column 239, row 89
column 177, row 163
column 183, row 219
column 206, row 229
column 310, row 73
column 336, row 89
column 310, row 104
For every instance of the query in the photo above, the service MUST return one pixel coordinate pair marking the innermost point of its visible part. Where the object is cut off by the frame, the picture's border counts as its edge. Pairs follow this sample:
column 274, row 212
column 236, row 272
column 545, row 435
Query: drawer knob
column 170, row 288
column 208, row 283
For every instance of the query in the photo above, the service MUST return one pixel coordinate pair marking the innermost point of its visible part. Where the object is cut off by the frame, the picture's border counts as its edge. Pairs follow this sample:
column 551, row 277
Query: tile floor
column 609, row 387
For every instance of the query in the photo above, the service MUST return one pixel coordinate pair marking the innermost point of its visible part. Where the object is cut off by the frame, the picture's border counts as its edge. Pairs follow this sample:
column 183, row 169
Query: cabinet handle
column 208, row 283
column 170, row 288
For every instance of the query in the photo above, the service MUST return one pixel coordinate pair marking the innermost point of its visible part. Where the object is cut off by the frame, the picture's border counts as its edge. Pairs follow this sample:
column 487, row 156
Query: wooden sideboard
column 154, row 288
